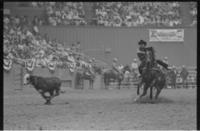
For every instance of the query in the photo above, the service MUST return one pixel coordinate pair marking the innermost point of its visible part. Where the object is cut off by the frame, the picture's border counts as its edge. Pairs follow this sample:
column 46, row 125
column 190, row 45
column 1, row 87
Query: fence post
column 21, row 77
column 73, row 82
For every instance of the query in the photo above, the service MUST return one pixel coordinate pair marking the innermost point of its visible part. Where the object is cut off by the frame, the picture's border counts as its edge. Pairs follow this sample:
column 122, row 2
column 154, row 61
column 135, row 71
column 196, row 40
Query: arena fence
column 190, row 82
column 15, row 76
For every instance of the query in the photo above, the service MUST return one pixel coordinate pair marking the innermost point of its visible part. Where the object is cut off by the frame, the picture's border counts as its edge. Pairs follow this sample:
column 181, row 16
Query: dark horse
column 82, row 75
column 152, row 76
column 109, row 75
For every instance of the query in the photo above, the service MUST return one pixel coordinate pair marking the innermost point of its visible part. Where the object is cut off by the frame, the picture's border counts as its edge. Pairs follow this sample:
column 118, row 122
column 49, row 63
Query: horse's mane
column 152, row 53
column 151, row 56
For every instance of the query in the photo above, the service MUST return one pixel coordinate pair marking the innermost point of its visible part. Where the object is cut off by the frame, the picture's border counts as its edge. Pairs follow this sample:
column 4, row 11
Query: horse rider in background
column 93, row 62
column 115, row 66
column 142, row 55
column 89, row 68
column 120, row 68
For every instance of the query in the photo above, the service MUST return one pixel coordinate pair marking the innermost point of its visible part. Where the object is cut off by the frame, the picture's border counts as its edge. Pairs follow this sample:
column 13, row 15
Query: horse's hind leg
column 151, row 89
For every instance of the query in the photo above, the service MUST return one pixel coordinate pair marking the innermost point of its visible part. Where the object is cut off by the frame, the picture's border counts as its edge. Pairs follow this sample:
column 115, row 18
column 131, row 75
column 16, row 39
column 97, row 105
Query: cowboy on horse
column 89, row 68
column 142, row 55
column 115, row 68
column 151, row 74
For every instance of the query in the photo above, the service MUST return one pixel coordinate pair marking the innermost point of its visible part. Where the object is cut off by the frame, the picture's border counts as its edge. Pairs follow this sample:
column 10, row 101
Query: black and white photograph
column 100, row 65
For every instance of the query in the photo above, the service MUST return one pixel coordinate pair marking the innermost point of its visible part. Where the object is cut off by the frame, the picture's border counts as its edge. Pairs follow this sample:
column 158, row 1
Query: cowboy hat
column 142, row 42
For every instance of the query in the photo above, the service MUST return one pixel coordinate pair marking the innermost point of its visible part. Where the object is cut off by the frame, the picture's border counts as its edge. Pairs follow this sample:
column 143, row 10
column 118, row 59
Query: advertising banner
column 166, row 35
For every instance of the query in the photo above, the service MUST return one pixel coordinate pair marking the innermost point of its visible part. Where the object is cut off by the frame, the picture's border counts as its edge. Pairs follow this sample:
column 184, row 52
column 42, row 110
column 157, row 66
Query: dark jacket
column 141, row 53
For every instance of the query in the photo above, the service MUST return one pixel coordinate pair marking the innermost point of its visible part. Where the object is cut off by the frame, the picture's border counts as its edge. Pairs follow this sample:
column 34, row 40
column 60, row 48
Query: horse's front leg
column 143, row 94
column 151, row 89
column 138, row 86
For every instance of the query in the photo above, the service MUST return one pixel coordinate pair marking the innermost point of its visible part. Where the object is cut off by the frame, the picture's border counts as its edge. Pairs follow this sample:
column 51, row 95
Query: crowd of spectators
column 63, row 13
column 137, row 13
column 193, row 12
column 18, row 34
column 115, row 14
column 23, row 40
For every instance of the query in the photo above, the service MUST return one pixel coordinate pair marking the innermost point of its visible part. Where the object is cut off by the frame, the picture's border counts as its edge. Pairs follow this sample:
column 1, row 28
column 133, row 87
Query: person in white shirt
column 134, row 66
column 120, row 67
column 115, row 66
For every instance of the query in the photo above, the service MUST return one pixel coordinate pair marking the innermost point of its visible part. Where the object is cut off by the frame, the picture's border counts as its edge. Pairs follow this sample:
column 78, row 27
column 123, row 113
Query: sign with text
column 166, row 35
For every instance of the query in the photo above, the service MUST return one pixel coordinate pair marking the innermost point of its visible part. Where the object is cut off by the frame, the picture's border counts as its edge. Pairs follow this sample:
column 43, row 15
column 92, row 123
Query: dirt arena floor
column 100, row 109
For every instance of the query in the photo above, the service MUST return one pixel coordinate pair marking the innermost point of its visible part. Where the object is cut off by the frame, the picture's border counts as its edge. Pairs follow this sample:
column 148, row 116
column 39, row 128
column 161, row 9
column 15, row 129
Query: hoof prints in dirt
column 159, row 100
column 109, row 110
column 40, row 104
